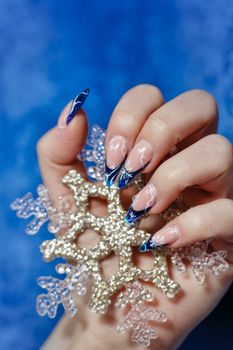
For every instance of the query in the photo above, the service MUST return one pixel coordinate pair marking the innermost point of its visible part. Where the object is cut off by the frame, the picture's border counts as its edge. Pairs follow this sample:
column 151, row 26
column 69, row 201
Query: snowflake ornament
column 116, row 236
column 140, row 315
column 200, row 260
column 61, row 291
column 42, row 211
column 94, row 152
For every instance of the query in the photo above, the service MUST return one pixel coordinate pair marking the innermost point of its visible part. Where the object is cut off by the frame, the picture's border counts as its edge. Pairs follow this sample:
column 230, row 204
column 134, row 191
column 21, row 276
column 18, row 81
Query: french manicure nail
column 77, row 103
column 148, row 245
column 139, row 157
column 115, row 157
column 166, row 236
column 142, row 203
column 169, row 234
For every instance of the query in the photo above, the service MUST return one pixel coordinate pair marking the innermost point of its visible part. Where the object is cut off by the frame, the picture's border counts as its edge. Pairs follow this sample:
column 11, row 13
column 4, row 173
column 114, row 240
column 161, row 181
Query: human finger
column 127, row 119
column 206, row 163
column 58, row 148
column 213, row 220
column 188, row 114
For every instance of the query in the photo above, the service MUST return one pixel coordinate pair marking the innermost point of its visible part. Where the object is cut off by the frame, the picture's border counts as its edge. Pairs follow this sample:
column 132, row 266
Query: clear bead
column 139, row 316
column 41, row 210
column 200, row 259
column 61, row 291
column 95, row 152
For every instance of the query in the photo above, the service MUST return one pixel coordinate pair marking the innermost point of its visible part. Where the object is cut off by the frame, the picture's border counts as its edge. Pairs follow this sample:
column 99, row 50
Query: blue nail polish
column 126, row 177
column 77, row 104
column 133, row 215
column 148, row 245
column 111, row 174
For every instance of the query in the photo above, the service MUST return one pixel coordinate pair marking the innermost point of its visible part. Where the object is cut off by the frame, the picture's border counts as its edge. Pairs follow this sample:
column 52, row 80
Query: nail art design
column 115, row 158
column 132, row 215
column 126, row 177
column 139, row 157
column 148, row 245
column 169, row 234
column 111, row 174
column 77, row 103
column 152, row 244
column 142, row 203
column 164, row 237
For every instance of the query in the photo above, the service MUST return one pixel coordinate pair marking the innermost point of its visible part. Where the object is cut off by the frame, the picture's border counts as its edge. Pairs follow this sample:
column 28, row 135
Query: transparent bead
column 200, row 259
column 95, row 152
column 61, row 291
column 139, row 316
column 41, row 210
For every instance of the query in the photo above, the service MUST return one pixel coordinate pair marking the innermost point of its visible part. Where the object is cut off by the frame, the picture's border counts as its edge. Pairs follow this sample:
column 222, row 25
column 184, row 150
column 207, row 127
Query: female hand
column 141, row 133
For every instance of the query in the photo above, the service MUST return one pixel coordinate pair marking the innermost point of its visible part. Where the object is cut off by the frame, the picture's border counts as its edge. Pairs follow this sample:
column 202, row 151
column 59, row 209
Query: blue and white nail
column 115, row 157
column 133, row 215
column 142, row 203
column 126, row 177
column 148, row 245
column 77, row 103
column 166, row 236
column 137, row 160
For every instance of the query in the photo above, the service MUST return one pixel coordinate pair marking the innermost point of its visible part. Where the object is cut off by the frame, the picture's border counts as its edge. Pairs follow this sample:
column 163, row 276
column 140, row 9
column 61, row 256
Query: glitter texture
column 139, row 315
column 201, row 261
column 60, row 291
column 43, row 211
column 115, row 236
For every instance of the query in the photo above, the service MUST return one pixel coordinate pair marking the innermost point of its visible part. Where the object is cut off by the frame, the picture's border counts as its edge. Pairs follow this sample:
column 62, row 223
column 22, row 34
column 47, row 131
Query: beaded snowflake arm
column 41, row 210
column 200, row 259
column 139, row 316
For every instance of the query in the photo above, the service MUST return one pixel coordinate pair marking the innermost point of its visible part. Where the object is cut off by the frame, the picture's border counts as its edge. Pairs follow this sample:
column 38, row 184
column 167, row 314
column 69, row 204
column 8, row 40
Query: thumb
column 57, row 150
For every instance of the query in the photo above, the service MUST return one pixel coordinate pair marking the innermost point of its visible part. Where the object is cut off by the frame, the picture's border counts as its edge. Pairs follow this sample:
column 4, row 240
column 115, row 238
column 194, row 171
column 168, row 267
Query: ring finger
column 207, row 163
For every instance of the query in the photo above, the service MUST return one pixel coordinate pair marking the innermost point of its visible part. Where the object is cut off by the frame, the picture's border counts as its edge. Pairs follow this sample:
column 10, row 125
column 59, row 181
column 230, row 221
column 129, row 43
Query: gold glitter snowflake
column 116, row 236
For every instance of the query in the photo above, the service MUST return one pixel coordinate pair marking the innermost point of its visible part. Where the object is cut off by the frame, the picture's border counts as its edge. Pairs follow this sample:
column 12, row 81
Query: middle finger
column 171, row 123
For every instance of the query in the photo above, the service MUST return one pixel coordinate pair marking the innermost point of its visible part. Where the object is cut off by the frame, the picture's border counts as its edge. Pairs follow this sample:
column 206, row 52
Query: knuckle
column 205, row 99
column 221, row 150
column 170, row 172
column 123, row 116
column 151, row 90
column 161, row 124
column 200, row 221
column 41, row 147
column 227, row 205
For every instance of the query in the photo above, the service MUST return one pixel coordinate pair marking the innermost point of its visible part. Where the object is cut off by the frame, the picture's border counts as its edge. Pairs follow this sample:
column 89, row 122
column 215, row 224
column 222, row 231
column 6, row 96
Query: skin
column 188, row 122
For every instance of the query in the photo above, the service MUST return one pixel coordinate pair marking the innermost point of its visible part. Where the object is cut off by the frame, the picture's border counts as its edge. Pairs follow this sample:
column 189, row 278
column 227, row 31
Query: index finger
column 127, row 119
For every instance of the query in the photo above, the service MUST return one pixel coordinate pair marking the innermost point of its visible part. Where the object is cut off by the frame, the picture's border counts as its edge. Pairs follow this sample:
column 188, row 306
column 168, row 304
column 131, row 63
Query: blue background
column 49, row 51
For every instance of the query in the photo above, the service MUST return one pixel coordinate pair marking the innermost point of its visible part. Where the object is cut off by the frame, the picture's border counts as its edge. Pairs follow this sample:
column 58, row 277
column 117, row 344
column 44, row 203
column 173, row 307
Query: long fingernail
column 142, row 203
column 169, row 234
column 137, row 160
column 77, row 103
column 115, row 157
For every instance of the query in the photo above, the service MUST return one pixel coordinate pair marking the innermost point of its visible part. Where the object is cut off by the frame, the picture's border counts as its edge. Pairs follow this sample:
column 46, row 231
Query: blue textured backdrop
column 49, row 50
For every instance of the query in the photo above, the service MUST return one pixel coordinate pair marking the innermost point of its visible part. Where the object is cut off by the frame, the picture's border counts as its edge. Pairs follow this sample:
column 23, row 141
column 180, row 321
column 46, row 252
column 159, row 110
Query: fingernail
column 148, row 245
column 115, row 157
column 137, row 160
column 142, row 203
column 77, row 103
column 169, row 234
